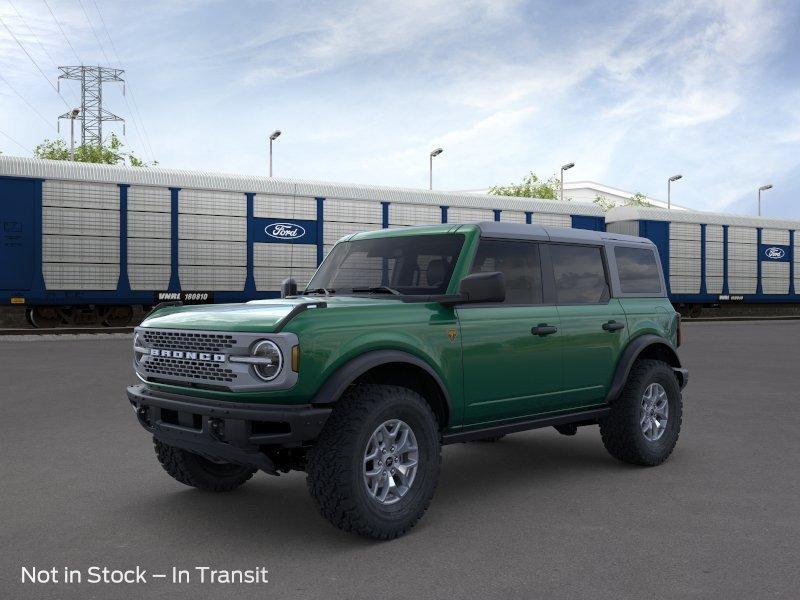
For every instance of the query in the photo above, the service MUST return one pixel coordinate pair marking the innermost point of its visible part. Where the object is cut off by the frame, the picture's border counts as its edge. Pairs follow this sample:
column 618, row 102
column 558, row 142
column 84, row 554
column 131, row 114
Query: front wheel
column 196, row 471
column 375, row 466
column 645, row 421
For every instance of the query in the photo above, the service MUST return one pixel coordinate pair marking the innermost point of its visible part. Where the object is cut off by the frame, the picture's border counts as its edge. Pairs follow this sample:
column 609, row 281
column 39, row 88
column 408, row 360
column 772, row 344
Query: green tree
column 604, row 203
column 112, row 153
column 531, row 187
column 638, row 199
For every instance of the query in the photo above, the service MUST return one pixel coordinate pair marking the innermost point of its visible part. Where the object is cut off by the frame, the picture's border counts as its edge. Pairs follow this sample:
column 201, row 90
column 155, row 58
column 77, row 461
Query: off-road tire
column 335, row 464
column 620, row 430
column 196, row 471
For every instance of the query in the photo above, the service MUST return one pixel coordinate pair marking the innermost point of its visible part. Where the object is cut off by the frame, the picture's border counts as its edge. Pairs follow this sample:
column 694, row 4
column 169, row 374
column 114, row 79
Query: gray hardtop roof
column 553, row 234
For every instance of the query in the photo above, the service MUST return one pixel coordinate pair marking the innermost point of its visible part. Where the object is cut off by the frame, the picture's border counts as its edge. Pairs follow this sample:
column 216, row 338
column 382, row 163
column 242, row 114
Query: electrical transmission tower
column 92, row 113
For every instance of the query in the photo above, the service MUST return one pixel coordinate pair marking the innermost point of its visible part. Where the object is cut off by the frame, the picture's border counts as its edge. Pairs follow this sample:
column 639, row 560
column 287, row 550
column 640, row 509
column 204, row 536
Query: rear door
column 510, row 371
column 593, row 325
column 17, row 233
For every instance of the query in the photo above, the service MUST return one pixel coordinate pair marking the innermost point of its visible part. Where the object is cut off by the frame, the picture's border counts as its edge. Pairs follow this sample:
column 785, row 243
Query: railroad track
column 63, row 330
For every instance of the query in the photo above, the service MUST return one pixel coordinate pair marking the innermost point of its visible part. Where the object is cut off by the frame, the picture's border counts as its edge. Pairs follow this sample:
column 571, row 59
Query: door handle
column 543, row 329
column 613, row 326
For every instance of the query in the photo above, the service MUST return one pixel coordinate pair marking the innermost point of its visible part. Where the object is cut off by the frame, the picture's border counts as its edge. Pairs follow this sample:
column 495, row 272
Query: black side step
column 543, row 421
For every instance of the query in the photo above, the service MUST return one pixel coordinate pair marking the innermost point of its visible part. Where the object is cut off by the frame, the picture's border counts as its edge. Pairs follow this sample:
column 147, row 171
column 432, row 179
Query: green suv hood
column 257, row 315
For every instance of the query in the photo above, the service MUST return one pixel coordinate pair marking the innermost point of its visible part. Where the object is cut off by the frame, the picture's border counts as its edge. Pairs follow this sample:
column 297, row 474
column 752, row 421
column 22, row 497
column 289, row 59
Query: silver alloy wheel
column 654, row 412
column 390, row 461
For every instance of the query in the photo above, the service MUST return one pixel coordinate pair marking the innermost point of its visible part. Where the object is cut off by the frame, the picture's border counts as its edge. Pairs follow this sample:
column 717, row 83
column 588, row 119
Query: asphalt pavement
column 537, row 515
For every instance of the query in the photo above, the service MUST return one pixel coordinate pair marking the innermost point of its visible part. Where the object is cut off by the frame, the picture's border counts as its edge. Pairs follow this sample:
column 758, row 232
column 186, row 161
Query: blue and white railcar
column 713, row 257
column 95, row 240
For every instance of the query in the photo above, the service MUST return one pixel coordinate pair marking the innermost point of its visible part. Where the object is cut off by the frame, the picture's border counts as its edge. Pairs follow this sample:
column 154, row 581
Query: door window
column 580, row 277
column 519, row 264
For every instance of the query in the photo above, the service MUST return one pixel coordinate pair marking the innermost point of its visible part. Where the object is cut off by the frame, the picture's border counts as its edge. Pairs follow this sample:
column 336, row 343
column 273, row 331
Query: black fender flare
column 632, row 351
column 345, row 375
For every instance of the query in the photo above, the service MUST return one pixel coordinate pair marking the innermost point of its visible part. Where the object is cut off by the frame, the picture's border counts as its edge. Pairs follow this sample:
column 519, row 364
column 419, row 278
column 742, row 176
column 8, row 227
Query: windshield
column 418, row 264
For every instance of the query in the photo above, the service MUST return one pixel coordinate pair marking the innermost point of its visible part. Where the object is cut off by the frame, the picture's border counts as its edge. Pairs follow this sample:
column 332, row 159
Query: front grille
column 193, row 342
column 188, row 369
column 205, row 359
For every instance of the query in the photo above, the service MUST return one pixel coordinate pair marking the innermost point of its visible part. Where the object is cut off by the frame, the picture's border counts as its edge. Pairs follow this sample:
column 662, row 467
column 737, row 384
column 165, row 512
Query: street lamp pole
column 763, row 188
column 436, row 152
column 72, row 115
column 669, row 189
column 564, row 168
column 272, row 138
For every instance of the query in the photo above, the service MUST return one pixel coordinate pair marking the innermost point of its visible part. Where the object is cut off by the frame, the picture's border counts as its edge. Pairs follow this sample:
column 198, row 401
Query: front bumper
column 228, row 431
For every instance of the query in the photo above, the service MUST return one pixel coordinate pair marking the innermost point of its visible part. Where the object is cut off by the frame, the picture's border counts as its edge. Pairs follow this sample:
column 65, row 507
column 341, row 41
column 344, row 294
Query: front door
column 17, row 229
column 511, row 350
column 593, row 325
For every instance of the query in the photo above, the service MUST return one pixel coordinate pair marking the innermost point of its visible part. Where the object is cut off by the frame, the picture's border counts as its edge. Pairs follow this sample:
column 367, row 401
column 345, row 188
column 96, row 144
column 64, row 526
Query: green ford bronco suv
column 403, row 341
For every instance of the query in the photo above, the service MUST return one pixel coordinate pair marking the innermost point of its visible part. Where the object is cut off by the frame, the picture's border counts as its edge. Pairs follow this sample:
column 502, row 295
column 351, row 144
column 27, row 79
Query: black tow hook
column 216, row 428
column 143, row 414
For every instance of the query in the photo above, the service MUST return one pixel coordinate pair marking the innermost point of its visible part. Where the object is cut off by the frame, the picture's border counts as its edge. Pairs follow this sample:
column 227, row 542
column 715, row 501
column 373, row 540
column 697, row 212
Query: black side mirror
column 482, row 287
column 288, row 287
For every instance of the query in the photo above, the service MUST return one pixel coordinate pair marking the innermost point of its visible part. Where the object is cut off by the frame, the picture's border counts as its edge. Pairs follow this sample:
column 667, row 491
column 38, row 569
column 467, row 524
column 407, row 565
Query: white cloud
column 364, row 90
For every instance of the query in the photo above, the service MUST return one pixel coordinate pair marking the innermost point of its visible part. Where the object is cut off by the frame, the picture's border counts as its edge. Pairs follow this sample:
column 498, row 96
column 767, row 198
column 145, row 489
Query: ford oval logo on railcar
column 775, row 253
column 285, row 231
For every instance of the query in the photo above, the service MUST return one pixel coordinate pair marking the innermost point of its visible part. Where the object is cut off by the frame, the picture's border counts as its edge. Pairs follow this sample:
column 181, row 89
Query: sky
column 631, row 92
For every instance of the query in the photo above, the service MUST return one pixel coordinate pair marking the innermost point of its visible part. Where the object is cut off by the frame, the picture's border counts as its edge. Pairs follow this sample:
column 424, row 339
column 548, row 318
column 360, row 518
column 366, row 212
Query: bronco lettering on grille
column 187, row 355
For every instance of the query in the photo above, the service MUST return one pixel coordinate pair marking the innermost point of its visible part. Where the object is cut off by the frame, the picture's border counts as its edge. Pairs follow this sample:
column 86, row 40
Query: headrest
column 437, row 270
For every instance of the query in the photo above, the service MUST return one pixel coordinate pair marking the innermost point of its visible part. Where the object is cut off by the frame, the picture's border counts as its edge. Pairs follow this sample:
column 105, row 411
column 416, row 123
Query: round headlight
column 269, row 368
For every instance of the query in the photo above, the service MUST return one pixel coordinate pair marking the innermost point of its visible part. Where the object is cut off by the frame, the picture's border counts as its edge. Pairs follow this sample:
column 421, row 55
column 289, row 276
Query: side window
column 579, row 274
column 519, row 264
column 638, row 270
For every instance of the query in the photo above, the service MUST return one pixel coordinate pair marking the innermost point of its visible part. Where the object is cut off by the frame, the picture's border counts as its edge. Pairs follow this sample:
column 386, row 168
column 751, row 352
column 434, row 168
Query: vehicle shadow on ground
column 280, row 510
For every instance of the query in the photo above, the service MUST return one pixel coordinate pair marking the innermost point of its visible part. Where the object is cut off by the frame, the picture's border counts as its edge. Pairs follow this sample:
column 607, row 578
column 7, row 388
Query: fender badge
column 451, row 334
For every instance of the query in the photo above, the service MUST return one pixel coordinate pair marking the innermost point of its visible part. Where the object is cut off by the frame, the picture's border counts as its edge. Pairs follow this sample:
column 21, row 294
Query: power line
column 35, row 64
column 36, row 37
column 136, row 114
column 99, row 43
column 61, row 29
column 146, row 136
column 21, row 97
column 16, row 142
column 124, row 96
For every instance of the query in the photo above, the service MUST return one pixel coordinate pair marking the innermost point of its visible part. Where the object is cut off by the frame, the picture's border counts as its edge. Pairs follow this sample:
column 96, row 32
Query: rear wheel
column 645, row 421
column 375, row 466
column 196, row 471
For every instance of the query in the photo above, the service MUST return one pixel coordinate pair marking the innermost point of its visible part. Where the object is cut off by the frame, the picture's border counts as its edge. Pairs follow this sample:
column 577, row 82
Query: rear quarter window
column 638, row 270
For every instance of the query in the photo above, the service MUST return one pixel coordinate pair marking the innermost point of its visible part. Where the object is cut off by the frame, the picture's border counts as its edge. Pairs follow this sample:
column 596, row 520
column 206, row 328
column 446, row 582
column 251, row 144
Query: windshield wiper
column 325, row 291
column 377, row 289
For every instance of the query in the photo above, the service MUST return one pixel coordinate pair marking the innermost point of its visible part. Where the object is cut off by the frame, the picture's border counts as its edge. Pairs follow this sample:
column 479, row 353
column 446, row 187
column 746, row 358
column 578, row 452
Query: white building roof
column 156, row 176
column 586, row 191
column 637, row 213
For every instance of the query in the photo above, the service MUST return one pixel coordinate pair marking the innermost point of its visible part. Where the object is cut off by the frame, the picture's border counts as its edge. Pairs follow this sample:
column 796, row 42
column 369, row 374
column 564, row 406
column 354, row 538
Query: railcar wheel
column 44, row 316
column 118, row 316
